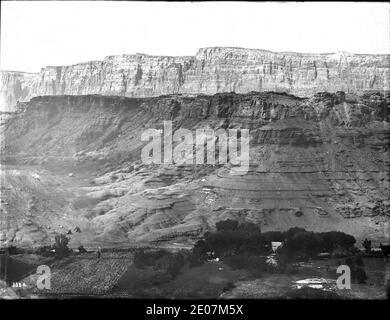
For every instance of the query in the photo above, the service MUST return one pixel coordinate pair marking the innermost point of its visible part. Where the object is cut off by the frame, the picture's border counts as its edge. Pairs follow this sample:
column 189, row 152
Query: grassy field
column 85, row 275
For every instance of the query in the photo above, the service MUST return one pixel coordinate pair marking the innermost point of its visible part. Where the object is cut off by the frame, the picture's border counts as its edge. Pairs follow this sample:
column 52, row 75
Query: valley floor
column 114, row 275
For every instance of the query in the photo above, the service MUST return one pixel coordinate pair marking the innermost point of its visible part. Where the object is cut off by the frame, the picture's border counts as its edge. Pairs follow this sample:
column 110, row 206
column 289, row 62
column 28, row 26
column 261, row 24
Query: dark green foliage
column 82, row 249
column 234, row 239
column 304, row 245
column 385, row 249
column 226, row 225
column 367, row 245
column 45, row 251
column 335, row 239
column 292, row 231
column 61, row 245
column 273, row 236
column 228, row 239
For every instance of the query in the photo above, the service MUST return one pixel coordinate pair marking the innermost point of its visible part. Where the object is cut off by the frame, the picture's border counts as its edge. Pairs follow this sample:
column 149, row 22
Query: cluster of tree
column 59, row 249
column 241, row 246
column 232, row 238
column 302, row 244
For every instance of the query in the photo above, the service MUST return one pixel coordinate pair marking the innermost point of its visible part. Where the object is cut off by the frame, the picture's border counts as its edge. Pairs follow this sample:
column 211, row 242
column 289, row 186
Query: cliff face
column 14, row 87
column 210, row 71
column 321, row 163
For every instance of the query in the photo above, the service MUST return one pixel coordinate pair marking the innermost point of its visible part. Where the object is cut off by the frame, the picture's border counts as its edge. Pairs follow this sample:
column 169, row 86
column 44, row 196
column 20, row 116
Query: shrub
column 337, row 240
column 45, row 251
column 367, row 245
column 61, row 245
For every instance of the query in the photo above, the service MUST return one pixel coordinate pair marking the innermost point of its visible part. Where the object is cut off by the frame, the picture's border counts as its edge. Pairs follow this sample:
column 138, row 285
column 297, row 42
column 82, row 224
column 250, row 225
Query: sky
column 38, row 34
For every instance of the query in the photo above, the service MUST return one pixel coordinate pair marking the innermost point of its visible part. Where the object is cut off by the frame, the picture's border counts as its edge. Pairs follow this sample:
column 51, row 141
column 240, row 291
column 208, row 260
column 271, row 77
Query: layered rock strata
column 211, row 70
column 321, row 163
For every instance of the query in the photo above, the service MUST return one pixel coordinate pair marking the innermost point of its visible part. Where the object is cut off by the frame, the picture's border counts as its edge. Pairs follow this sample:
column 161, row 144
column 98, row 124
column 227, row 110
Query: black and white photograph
column 185, row 151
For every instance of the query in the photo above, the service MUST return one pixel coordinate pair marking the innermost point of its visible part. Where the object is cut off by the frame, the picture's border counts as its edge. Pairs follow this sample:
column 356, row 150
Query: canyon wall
column 210, row 71
column 320, row 163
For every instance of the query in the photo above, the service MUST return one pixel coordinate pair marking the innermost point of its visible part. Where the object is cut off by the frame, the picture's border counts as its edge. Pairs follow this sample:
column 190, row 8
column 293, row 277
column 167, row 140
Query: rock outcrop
column 210, row 71
column 15, row 86
column 321, row 163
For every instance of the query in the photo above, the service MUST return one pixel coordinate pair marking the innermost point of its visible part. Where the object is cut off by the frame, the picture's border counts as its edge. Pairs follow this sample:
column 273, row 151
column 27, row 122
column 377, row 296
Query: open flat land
column 114, row 275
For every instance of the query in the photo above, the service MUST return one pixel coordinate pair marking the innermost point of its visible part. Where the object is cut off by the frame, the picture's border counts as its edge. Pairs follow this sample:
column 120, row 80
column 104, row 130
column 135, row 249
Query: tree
column 61, row 245
column 249, row 227
column 227, row 225
column 367, row 245
column 199, row 253
column 273, row 236
column 82, row 249
column 305, row 244
column 385, row 249
column 292, row 231
column 337, row 240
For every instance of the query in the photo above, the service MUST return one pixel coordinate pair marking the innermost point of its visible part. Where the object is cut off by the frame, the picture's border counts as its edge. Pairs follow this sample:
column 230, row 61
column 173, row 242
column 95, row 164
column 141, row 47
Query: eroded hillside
column 321, row 163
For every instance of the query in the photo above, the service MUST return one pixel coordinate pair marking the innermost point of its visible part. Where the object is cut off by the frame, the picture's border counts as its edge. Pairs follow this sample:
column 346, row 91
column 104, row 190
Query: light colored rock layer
column 210, row 71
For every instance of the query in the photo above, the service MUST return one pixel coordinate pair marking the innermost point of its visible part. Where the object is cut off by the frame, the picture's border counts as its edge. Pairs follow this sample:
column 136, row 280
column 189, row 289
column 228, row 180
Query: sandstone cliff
column 210, row 71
